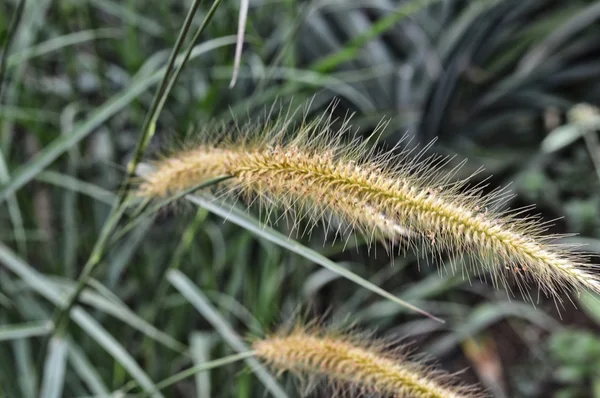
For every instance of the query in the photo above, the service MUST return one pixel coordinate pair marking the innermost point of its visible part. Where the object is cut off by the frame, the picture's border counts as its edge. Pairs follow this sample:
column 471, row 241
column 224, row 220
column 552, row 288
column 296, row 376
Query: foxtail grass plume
column 315, row 175
column 352, row 362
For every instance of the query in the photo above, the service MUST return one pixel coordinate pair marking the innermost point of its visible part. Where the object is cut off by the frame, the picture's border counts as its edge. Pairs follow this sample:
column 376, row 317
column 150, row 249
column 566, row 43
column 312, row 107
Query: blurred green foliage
column 494, row 80
column 577, row 355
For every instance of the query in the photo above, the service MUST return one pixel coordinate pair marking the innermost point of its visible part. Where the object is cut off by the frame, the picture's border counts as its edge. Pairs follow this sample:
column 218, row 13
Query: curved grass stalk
column 386, row 196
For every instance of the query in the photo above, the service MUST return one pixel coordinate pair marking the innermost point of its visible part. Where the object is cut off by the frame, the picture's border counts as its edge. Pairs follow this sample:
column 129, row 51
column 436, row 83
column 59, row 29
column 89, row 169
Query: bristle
column 353, row 362
column 385, row 196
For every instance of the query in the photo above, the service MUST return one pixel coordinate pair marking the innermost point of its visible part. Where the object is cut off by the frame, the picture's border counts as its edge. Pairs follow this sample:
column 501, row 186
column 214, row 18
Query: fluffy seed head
column 348, row 361
column 388, row 196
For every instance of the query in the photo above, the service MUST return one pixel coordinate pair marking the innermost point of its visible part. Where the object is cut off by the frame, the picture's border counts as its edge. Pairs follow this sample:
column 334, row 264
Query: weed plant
column 140, row 256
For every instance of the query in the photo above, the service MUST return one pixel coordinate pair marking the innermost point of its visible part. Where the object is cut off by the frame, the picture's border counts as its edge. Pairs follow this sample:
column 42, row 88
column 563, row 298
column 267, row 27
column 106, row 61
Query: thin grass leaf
column 80, row 363
column 7, row 42
column 145, row 213
column 146, row 134
column 51, row 152
column 33, row 16
column 28, row 114
column 119, row 10
column 69, row 203
column 483, row 316
column 164, row 90
column 149, row 126
column 5, row 301
column 243, row 16
column 353, row 48
column 584, row 18
column 62, row 313
column 561, row 137
column 590, row 303
column 122, row 256
column 311, row 78
column 453, row 33
column 240, row 218
column 25, row 330
column 40, row 284
column 71, row 183
column 13, row 205
column 113, row 306
column 86, row 371
column 116, row 350
column 125, row 314
column 204, row 367
column 54, row 369
column 201, row 303
column 24, row 365
column 58, row 43
column 200, row 345
column 14, row 211
column 195, row 370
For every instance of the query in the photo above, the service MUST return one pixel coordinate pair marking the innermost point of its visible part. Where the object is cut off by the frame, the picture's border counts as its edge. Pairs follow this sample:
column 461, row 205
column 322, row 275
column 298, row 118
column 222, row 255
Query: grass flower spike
column 389, row 196
column 349, row 361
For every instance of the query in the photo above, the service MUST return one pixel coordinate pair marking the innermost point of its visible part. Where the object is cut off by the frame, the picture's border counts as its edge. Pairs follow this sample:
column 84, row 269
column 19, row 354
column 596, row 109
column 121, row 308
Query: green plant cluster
column 577, row 354
column 102, row 294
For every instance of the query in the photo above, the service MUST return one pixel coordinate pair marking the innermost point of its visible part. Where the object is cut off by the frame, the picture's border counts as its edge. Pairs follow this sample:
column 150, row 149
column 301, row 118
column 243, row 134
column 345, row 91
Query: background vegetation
column 496, row 81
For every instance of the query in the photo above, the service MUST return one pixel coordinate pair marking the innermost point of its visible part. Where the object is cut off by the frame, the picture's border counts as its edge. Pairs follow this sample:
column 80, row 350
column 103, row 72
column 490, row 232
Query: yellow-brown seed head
column 383, row 196
column 355, row 363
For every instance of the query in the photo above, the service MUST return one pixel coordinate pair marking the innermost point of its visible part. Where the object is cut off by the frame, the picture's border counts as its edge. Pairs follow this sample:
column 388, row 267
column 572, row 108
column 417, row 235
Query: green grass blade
column 40, row 284
column 536, row 56
column 24, row 361
column 122, row 257
column 60, row 42
column 70, row 217
column 97, row 255
column 200, row 345
column 7, row 42
column 242, row 18
column 460, row 24
column 240, row 218
column 28, row 114
column 149, row 212
column 195, row 370
column 13, row 206
column 24, row 364
column 25, row 330
column 590, row 303
column 29, row 275
column 201, row 303
column 114, row 307
column 119, row 10
column 116, row 350
column 482, row 316
column 50, row 153
column 71, row 183
column 118, row 208
column 14, row 211
column 120, row 311
column 161, row 94
column 352, row 49
column 175, row 75
column 54, row 369
column 203, row 368
column 87, row 372
column 307, row 77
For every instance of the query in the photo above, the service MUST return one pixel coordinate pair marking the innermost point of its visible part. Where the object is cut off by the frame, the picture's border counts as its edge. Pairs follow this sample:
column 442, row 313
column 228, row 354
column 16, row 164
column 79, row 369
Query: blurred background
column 511, row 85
